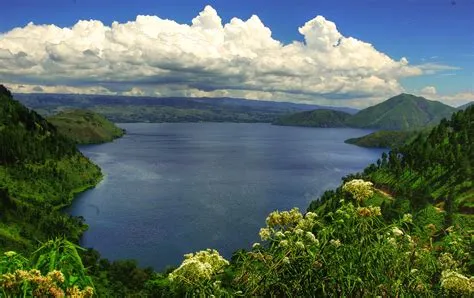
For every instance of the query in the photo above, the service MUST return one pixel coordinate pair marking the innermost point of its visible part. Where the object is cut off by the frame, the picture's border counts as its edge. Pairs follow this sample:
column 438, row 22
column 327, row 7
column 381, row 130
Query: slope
column 404, row 111
column 85, row 127
column 40, row 171
column 388, row 138
column 316, row 118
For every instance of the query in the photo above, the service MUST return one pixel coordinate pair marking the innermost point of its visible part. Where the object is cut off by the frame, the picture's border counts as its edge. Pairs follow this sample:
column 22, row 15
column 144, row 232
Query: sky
column 342, row 53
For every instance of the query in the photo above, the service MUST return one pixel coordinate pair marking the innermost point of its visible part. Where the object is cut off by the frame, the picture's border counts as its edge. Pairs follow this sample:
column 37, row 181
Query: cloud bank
column 154, row 56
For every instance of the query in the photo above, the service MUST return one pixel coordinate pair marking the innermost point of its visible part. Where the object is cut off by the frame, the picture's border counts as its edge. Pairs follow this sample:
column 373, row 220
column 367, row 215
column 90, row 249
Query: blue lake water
column 175, row 188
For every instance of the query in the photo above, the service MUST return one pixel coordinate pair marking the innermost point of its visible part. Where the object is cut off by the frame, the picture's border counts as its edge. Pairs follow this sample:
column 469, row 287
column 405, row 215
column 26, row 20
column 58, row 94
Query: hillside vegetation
column 401, row 228
column 40, row 171
column 386, row 138
column 401, row 112
column 85, row 127
column 404, row 111
column 316, row 118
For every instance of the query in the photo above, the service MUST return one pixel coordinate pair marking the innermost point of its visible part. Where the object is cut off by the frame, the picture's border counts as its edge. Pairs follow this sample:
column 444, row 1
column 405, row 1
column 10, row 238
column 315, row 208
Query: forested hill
column 40, row 170
column 401, row 112
column 85, row 127
column 439, row 166
column 387, row 138
column 435, row 169
column 404, row 111
column 316, row 118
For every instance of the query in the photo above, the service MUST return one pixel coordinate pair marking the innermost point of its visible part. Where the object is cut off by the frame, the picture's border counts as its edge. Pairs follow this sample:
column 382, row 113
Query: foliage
column 386, row 138
column 40, row 171
column 316, row 118
column 85, row 127
column 55, row 270
column 404, row 111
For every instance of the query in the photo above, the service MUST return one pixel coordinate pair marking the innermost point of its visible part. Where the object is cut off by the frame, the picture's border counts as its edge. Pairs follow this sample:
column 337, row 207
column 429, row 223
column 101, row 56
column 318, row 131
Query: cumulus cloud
column 454, row 100
column 428, row 90
column 154, row 56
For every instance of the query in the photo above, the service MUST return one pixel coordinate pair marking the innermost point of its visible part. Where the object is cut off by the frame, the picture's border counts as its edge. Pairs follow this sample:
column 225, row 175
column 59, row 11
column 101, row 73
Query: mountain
column 168, row 109
column 316, row 118
column 464, row 106
column 404, row 111
column 85, row 127
column 40, row 171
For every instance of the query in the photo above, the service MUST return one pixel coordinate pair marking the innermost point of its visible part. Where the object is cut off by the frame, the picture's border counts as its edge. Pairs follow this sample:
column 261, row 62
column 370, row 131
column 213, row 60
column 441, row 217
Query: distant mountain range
column 404, row 111
column 169, row 109
column 316, row 118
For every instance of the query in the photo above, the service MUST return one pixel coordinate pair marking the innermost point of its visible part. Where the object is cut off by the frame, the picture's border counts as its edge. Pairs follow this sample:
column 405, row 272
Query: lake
column 175, row 188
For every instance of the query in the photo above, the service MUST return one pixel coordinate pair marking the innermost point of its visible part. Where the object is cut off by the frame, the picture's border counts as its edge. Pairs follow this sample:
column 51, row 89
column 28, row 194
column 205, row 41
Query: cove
column 175, row 188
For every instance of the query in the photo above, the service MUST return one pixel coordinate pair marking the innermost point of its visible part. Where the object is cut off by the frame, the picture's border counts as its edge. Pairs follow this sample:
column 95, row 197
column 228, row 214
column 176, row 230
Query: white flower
column 359, row 189
column 299, row 245
column 256, row 245
column 279, row 234
column 457, row 283
column 311, row 215
column 286, row 260
column 310, row 236
column 392, row 241
column 265, row 233
column 299, row 232
column 407, row 217
column 10, row 254
column 335, row 242
column 284, row 243
column 397, row 232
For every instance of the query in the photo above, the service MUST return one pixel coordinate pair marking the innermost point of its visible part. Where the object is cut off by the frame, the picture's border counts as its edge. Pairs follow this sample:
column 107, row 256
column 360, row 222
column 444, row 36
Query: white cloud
column 207, row 58
column 454, row 100
column 428, row 90
column 432, row 68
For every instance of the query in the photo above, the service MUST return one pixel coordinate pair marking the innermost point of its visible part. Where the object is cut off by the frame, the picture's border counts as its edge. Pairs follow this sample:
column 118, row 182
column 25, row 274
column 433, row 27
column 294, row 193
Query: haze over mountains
column 168, row 109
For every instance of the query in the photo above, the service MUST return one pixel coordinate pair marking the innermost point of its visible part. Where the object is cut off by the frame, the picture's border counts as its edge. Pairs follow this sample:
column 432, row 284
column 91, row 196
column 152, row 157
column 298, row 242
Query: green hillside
column 403, row 111
column 85, row 127
column 40, row 171
column 386, row 138
column 401, row 228
column 316, row 118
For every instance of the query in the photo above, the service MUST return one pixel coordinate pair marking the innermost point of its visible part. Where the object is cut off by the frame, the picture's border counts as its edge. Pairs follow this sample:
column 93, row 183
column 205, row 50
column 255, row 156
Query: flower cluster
column 369, row 211
column 197, row 267
column 335, row 242
column 407, row 217
column 447, row 261
column 456, row 283
column 48, row 285
column 359, row 189
column 397, row 232
column 284, row 219
column 290, row 228
column 10, row 254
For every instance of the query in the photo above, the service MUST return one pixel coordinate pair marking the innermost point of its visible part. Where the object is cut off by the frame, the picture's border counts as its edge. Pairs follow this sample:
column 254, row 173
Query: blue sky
column 433, row 34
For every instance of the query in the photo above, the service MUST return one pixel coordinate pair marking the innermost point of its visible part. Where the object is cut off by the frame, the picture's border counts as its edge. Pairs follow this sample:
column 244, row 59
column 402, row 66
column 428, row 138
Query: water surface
column 175, row 188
